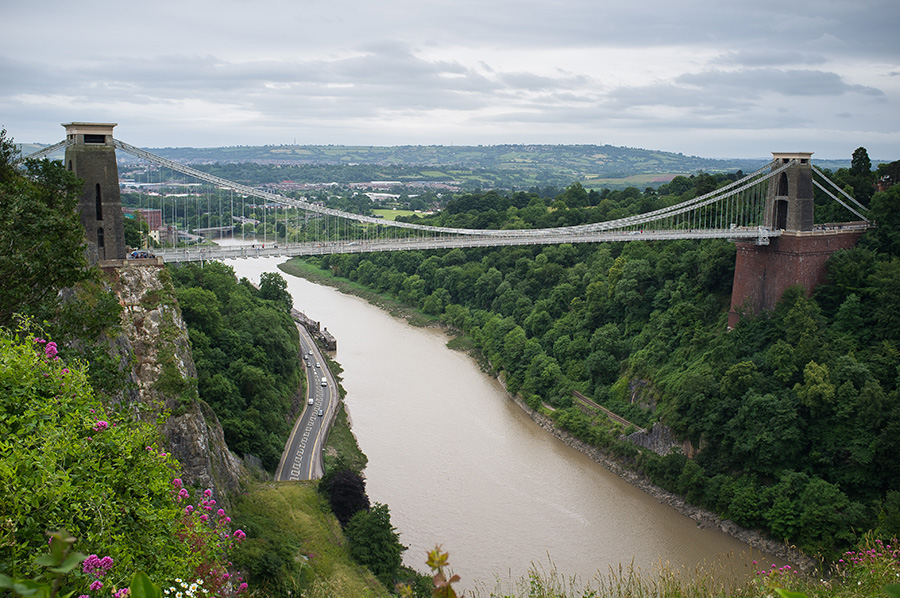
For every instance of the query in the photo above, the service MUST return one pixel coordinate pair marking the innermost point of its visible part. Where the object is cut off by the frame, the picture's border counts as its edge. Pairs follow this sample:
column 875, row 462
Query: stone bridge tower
column 789, row 202
column 91, row 155
column 763, row 272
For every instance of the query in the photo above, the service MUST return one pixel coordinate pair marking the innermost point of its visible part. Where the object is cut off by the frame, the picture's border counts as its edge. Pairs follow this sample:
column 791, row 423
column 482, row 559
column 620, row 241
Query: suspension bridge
column 189, row 207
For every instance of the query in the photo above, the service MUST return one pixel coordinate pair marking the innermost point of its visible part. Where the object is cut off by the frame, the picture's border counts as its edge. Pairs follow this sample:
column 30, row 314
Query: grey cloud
column 768, row 58
column 786, row 82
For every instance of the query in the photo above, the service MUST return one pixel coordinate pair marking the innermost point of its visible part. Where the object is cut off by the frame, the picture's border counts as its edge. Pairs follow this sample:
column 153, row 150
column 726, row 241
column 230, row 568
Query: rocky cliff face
column 163, row 380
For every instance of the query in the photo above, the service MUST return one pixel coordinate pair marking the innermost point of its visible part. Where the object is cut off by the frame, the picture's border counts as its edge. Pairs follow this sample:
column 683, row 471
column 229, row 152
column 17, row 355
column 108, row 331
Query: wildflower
column 96, row 585
column 220, row 512
column 207, row 493
column 106, row 563
column 50, row 350
column 239, row 534
column 204, row 517
column 177, row 482
column 101, row 425
column 183, row 494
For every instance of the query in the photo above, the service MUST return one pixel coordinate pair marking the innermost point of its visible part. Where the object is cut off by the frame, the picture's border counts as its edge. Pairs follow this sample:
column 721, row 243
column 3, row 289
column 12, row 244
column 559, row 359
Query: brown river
column 460, row 465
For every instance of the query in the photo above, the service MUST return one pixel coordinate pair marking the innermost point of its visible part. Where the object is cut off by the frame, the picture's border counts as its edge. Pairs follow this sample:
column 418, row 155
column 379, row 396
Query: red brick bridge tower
column 763, row 272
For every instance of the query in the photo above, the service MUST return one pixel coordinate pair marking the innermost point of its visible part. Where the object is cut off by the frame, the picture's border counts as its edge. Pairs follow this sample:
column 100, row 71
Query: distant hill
column 593, row 165
column 579, row 160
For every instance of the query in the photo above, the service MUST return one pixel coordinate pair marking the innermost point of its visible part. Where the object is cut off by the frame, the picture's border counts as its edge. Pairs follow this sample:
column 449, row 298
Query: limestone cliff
column 163, row 380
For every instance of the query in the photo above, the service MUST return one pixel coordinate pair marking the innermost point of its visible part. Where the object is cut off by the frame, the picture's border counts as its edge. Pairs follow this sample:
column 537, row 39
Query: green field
column 392, row 214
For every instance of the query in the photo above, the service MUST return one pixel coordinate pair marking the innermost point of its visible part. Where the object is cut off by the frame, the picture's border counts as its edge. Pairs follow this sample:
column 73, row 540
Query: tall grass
column 873, row 570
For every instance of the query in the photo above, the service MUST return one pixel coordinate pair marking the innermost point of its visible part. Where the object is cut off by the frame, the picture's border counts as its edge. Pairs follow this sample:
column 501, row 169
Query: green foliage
column 294, row 545
column 66, row 462
column 346, row 492
column 375, row 543
column 41, row 237
column 246, row 349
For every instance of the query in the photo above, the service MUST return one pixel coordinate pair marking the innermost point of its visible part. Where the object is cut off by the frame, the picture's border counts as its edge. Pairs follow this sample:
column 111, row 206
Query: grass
column 295, row 545
column 871, row 570
column 392, row 214
column 342, row 442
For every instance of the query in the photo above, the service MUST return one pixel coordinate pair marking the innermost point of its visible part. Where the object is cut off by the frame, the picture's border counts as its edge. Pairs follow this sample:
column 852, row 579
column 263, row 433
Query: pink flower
column 188, row 509
column 183, row 494
column 177, row 482
column 204, row 517
column 101, row 425
column 50, row 350
column 228, row 520
column 96, row 585
column 220, row 512
column 207, row 493
column 239, row 534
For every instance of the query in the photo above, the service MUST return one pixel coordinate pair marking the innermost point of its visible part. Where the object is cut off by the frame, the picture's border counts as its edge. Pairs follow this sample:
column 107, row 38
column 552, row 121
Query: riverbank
column 702, row 518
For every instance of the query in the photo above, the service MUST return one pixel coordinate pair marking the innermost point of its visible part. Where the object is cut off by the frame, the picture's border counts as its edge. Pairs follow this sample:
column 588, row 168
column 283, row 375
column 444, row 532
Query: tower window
column 93, row 138
column 99, row 201
column 100, row 241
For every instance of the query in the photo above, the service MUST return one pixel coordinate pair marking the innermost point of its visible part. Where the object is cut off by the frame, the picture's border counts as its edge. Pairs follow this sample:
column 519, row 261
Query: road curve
column 302, row 456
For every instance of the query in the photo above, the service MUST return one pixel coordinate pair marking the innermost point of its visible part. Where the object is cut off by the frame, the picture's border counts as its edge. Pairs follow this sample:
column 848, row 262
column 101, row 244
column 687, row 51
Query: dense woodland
column 795, row 413
column 245, row 347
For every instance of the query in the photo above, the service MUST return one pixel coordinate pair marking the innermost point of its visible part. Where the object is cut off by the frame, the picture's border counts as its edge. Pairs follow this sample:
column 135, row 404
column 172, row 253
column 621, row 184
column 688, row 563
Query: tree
column 860, row 164
column 861, row 176
column 375, row 543
column 273, row 287
column 347, row 496
column 41, row 236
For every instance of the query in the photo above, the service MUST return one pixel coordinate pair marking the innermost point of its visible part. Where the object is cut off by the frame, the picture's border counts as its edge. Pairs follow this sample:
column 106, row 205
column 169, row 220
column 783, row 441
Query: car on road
column 321, row 412
column 311, row 401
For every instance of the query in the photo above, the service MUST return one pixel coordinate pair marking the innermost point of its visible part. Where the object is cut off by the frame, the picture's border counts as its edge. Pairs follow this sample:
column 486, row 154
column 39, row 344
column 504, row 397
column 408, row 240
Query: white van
column 311, row 401
column 324, row 381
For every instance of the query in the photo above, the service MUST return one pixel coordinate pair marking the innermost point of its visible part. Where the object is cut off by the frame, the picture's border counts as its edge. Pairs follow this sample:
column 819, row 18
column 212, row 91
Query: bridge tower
column 91, row 155
column 763, row 272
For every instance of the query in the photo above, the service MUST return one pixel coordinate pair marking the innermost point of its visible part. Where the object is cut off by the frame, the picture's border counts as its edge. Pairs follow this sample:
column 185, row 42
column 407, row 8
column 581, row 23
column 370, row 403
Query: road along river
column 460, row 465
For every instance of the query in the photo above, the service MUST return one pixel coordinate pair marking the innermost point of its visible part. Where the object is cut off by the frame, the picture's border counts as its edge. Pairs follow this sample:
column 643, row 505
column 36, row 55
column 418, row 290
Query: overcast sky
column 713, row 78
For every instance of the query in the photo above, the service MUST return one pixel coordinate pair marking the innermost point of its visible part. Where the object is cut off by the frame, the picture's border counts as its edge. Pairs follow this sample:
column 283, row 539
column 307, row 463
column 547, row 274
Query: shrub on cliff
column 68, row 463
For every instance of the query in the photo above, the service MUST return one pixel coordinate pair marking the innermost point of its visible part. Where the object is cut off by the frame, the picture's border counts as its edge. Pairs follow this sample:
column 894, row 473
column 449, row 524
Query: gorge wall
column 155, row 343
